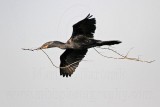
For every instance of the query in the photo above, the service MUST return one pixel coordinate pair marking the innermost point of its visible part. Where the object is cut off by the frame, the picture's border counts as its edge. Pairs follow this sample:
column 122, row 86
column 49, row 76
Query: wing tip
column 65, row 74
column 89, row 16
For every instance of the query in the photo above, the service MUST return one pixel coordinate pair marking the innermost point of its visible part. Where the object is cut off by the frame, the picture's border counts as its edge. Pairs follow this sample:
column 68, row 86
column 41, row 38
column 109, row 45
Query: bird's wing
column 85, row 27
column 70, row 60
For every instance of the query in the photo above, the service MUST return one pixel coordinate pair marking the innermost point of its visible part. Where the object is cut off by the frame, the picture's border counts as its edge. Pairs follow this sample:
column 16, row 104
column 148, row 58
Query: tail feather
column 113, row 42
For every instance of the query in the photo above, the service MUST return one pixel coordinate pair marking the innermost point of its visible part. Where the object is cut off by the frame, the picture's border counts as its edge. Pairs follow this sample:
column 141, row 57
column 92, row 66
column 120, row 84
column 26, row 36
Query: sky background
column 27, row 79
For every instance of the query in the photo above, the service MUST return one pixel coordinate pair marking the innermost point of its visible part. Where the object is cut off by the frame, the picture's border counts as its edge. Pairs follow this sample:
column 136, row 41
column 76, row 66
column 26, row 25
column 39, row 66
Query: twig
column 104, row 55
column 28, row 49
column 122, row 56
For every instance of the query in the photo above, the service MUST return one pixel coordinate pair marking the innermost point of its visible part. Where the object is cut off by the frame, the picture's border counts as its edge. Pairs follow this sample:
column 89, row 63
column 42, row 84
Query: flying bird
column 78, row 44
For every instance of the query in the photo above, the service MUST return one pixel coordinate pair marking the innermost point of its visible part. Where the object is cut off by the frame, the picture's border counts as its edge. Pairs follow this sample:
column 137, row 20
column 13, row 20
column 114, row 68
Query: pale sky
column 27, row 79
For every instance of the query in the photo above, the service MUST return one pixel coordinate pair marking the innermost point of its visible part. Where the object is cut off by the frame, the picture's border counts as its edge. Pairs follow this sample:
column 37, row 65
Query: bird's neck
column 60, row 45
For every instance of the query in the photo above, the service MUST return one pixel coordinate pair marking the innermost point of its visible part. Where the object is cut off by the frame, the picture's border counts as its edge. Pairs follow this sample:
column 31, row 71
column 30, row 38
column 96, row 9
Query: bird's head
column 50, row 44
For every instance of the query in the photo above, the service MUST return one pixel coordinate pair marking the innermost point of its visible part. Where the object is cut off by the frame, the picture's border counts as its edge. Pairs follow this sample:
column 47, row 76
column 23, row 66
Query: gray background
column 27, row 79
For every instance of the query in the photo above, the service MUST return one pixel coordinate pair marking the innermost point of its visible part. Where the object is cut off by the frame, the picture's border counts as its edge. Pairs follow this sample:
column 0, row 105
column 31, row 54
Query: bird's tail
column 113, row 42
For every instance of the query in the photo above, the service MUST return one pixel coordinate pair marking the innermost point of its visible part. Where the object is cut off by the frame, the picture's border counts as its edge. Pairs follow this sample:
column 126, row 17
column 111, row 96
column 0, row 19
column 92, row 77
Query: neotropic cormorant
column 78, row 45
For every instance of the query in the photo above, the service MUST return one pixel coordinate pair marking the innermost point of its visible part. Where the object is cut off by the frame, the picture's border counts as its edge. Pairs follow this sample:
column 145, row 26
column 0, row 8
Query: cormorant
column 78, row 45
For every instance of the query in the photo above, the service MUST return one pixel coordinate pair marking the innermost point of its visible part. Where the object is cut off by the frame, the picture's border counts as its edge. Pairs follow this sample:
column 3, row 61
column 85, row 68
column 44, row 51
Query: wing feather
column 70, row 59
column 85, row 27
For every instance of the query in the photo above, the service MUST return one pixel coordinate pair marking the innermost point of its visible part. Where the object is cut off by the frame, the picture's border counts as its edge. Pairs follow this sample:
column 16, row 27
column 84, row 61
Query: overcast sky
column 27, row 79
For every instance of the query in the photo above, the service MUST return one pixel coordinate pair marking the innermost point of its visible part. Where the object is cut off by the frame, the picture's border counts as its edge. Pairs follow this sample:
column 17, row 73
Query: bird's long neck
column 60, row 45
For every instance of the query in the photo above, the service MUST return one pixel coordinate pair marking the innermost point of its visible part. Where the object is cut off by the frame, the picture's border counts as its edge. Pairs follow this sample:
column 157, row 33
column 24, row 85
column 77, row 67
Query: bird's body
column 78, row 45
column 81, row 42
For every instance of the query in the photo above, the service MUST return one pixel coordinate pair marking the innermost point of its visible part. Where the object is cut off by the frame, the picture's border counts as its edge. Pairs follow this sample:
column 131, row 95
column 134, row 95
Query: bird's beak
column 43, row 47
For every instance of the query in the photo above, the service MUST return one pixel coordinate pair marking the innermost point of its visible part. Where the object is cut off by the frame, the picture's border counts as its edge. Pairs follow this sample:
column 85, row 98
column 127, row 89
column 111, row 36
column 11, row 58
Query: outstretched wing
column 70, row 60
column 85, row 27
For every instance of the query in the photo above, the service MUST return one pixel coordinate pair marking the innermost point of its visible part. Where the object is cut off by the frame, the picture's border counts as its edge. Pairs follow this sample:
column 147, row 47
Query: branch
column 30, row 49
column 27, row 49
column 122, row 56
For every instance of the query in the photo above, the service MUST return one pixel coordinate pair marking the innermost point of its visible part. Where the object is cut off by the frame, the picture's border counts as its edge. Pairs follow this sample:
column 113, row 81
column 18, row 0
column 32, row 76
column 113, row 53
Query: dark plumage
column 85, row 27
column 78, row 45
column 69, row 57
